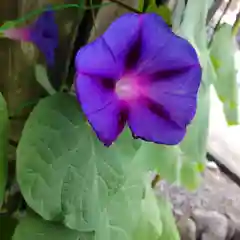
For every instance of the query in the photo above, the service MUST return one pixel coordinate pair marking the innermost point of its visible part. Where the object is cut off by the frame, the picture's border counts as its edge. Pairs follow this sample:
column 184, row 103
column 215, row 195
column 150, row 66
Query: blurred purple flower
column 141, row 74
column 43, row 33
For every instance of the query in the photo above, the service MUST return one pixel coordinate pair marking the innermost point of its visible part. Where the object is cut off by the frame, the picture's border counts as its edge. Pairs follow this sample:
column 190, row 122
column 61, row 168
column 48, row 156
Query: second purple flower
column 141, row 74
column 43, row 33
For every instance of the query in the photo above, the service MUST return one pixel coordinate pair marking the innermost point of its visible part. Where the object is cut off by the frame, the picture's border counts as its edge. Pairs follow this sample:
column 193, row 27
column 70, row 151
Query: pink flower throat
column 127, row 88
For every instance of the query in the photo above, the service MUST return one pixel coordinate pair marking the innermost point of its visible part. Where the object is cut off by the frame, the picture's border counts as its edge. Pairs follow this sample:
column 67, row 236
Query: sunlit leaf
column 178, row 14
column 222, row 52
column 145, row 230
column 149, row 225
column 4, row 125
column 42, row 78
column 170, row 230
column 64, row 172
column 141, row 5
column 32, row 227
column 162, row 11
column 194, row 143
column 151, row 210
column 193, row 28
column 7, row 25
column 170, row 162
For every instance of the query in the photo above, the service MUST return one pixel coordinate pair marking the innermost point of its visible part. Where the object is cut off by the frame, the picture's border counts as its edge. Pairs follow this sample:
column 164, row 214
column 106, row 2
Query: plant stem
column 236, row 25
column 219, row 20
column 223, row 14
column 156, row 179
column 126, row 6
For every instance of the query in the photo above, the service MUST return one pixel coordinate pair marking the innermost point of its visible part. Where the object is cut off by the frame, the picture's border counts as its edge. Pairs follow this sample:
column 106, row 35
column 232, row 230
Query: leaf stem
column 156, row 179
column 223, row 14
column 219, row 20
column 236, row 25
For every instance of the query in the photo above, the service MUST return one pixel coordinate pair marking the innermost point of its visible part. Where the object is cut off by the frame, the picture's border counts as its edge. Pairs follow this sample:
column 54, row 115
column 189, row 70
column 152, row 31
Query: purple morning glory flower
column 141, row 74
column 43, row 33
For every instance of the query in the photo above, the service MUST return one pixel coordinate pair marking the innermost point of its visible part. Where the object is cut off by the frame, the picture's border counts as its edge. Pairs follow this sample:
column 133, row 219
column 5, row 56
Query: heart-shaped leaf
column 66, row 174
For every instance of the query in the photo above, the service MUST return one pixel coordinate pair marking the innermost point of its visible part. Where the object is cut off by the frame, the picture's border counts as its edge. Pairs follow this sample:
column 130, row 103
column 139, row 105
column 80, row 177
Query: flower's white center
column 126, row 89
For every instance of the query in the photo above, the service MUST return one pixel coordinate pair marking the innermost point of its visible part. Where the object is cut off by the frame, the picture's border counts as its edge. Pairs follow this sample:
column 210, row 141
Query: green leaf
column 193, row 146
column 145, row 229
column 194, row 143
column 150, row 209
column 149, row 225
column 159, row 158
column 42, row 78
column 4, row 125
column 170, row 162
column 193, row 28
column 170, row 230
column 7, row 227
column 66, row 174
column 7, row 25
column 141, row 5
column 33, row 227
column 178, row 14
column 162, row 11
column 222, row 55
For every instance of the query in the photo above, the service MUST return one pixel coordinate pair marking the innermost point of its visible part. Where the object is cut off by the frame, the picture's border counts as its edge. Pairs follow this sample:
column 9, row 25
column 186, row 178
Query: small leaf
column 170, row 162
column 42, row 78
column 222, row 55
column 195, row 141
column 193, row 28
column 162, row 11
column 178, row 14
column 150, row 209
column 32, row 227
column 193, row 146
column 7, row 25
column 170, row 230
column 145, row 230
column 231, row 111
column 141, row 5
column 4, row 125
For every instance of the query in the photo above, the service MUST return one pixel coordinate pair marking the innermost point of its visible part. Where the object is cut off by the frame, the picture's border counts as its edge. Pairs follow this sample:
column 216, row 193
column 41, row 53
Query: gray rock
column 187, row 229
column 233, row 228
column 210, row 236
column 211, row 225
column 236, row 235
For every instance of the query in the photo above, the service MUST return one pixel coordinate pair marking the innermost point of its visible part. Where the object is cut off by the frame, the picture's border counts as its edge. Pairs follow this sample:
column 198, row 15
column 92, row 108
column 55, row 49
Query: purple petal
column 106, row 56
column 149, row 125
column 104, row 111
column 177, row 92
column 122, row 37
column 161, row 49
column 97, row 59
column 44, row 33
